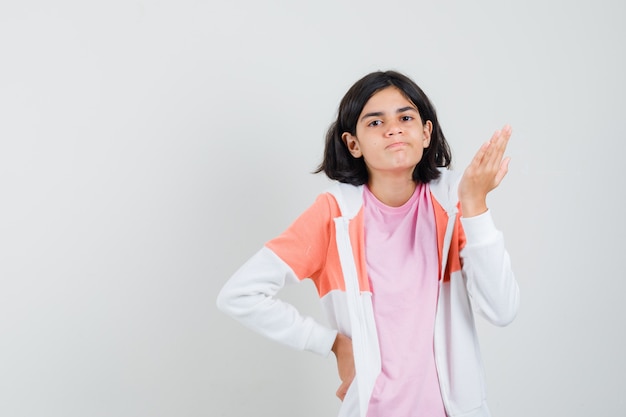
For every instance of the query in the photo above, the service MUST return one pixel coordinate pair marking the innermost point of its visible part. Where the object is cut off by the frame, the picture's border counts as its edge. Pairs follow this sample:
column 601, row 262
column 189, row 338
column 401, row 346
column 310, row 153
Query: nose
column 393, row 129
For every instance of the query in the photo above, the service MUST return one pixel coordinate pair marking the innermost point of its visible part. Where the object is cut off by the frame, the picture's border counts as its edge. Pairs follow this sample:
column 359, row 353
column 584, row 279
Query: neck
column 392, row 191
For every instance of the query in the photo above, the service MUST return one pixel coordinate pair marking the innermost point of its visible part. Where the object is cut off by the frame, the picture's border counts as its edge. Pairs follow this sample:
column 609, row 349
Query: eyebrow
column 380, row 113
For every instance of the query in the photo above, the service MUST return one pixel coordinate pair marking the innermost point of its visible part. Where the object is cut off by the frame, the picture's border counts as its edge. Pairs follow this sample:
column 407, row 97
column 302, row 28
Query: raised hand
column 484, row 173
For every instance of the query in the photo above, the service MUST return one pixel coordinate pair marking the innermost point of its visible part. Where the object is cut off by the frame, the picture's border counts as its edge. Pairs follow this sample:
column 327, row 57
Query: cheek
column 370, row 145
column 419, row 154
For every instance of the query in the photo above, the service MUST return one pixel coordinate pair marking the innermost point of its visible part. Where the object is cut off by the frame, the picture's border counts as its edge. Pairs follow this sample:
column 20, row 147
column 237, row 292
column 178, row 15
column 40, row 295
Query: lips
column 396, row 145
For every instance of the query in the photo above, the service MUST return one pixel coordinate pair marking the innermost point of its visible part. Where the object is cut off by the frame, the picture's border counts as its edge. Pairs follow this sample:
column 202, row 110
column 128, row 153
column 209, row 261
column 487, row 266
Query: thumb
column 342, row 390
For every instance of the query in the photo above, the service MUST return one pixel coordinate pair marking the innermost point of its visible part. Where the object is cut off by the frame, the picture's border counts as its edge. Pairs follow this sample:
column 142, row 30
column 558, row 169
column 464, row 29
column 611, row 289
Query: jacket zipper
column 351, row 279
column 444, row 261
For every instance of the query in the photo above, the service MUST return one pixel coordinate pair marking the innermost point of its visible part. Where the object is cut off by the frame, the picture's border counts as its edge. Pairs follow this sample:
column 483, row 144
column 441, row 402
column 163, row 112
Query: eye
column 406, row 118
column 375, row 123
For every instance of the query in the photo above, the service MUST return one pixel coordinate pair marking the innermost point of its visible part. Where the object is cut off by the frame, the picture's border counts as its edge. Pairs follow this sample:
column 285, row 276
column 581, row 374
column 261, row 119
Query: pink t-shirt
column 402, row 264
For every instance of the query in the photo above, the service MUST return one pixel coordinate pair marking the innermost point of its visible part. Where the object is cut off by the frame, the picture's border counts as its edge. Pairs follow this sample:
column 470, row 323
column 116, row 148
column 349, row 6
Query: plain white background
column 148, row 148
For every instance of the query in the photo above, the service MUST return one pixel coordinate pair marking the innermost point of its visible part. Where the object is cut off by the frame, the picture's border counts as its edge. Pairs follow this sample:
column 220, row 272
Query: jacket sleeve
column 491, row 284
column 249, row 296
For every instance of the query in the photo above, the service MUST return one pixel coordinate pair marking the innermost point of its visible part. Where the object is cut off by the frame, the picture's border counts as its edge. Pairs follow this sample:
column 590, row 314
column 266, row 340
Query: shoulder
column 348, row 198
column 322, row 211
column 308, row 234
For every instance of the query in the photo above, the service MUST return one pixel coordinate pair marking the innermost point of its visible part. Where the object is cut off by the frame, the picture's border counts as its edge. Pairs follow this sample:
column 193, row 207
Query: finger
column 503, row 139
column 342, row 390
column 494, row 143
column 493, row 159
column 504, row 169
column 480, row 154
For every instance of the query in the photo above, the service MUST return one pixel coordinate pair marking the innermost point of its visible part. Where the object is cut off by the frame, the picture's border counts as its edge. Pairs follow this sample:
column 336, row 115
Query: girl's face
column 390, row 135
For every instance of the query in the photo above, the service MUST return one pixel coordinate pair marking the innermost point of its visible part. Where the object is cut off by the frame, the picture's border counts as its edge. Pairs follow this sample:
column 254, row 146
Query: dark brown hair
column 338, row 164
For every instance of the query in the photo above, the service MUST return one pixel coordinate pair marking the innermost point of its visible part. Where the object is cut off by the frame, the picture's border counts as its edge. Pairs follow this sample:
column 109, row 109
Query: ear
column 428, row 131
column 352, row 144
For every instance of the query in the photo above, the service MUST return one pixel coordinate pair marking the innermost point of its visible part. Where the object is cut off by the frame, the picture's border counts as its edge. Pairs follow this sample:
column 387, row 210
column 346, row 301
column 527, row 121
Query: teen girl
column 402, row 253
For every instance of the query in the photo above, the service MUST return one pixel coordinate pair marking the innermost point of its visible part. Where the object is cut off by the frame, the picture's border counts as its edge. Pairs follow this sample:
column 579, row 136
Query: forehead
column 388, row 97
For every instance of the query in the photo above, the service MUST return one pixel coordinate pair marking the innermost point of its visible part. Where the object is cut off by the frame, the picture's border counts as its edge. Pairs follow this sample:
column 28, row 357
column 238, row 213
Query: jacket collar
column 444, row 189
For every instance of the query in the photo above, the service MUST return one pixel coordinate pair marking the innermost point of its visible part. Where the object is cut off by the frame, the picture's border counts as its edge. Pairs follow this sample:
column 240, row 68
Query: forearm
column 249, row 297
column 486, row 264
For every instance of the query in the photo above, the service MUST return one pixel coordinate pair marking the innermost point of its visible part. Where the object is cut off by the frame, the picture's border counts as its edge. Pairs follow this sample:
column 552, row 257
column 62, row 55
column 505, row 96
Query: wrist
column 339, row 343
column 471, row 208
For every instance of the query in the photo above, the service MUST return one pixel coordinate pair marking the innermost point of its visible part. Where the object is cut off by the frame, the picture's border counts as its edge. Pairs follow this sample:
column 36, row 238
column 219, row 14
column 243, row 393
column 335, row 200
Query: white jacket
column 326, row 244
